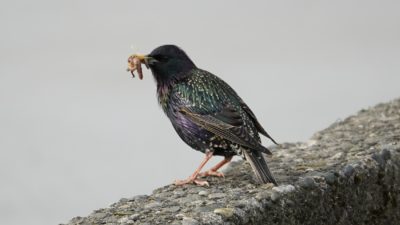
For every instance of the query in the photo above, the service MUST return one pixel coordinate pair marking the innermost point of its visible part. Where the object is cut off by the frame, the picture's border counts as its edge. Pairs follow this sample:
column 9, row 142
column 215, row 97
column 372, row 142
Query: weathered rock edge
column 348, row 173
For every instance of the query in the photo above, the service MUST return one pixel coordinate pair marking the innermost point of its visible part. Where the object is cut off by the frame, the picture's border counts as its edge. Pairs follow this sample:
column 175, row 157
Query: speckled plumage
column 206, row 112
column 204, row 94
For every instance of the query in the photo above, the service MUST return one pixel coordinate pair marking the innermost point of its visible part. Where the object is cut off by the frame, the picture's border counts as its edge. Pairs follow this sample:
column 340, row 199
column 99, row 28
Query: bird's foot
column 211, row 173
column 192, row 180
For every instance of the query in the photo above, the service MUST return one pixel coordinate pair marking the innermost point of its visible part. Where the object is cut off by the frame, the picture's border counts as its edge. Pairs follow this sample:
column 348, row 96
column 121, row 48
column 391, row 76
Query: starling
column 206, row 113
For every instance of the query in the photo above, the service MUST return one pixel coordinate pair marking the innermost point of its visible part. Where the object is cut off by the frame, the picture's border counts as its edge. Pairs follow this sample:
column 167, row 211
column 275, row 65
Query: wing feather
column 258, row 125
column 234, row 133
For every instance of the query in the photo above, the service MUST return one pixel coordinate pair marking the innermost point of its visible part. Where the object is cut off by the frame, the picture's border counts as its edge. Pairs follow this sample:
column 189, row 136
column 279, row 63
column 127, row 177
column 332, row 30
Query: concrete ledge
column 348, row 173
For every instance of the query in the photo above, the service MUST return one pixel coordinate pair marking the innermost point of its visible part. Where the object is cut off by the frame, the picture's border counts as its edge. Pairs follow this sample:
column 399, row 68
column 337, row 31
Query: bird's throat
column 163, row 92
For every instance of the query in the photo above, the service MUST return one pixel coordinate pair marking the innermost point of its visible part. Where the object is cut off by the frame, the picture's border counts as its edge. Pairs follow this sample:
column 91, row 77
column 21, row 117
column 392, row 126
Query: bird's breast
column 192, row 134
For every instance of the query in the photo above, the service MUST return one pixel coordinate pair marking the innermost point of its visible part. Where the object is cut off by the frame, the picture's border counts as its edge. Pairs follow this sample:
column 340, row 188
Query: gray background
column 77, row 132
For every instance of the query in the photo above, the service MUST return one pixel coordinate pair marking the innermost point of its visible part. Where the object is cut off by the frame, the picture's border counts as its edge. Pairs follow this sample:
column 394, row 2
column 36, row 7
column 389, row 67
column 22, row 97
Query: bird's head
column 166, row 62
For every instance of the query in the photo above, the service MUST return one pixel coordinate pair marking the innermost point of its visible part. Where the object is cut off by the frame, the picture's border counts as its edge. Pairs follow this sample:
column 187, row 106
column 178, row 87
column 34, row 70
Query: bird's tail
column 259, row 166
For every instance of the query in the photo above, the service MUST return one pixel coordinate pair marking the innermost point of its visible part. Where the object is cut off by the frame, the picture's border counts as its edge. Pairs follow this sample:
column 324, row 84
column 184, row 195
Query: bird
column 207, row 113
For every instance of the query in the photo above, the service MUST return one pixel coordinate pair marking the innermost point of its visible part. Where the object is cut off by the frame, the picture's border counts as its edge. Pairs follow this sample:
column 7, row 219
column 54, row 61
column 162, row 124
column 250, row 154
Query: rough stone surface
column 348, row 173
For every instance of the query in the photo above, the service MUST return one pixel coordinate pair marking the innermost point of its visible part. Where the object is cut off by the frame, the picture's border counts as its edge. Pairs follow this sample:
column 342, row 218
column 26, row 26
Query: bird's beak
column 149, row 60
column 142, row 58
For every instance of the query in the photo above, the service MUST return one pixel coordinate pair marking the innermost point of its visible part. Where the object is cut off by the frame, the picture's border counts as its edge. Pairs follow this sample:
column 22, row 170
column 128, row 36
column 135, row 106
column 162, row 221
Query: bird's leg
column 214, row 171
column 193, row 177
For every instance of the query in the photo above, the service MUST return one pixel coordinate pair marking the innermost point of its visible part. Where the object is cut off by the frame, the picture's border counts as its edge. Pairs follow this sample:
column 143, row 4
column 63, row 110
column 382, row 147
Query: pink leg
column 214, row 171
column 193, row 177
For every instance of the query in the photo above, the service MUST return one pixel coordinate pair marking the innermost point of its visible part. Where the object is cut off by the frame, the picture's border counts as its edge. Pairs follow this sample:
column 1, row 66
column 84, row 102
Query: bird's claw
column 192, row 181
column 211, row 173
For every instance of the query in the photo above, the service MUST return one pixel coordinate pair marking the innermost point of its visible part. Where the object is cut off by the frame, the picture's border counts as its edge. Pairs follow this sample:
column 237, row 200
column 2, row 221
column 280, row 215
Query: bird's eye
column 161, row 58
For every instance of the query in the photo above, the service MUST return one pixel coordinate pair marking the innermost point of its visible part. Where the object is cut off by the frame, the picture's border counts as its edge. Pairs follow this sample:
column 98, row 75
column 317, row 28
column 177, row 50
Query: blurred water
column 77, row 133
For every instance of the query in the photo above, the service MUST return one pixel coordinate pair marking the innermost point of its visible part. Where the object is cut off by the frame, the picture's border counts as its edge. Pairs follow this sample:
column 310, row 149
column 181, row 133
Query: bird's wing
column 247, row 109
column 226, row 123
column 256, row 123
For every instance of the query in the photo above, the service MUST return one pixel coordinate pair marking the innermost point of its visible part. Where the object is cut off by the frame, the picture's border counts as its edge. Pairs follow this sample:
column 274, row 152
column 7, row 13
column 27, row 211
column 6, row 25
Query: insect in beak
column 135, row 63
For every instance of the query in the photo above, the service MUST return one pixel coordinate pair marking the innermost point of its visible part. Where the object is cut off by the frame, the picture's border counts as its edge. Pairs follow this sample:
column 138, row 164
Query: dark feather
column 235, row 134
column 255, row 121
column 260, row 167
